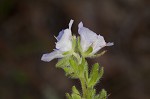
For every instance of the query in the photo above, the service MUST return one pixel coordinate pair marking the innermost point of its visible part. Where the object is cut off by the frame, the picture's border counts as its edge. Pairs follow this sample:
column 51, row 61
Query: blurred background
column 27, row 29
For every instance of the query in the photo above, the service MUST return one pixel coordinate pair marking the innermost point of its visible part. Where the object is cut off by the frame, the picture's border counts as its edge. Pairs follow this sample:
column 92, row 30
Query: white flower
column 64, row 44
column 90, row 38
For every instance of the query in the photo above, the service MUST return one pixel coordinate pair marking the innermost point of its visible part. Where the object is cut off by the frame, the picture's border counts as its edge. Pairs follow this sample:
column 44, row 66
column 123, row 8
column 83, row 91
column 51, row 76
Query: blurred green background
column 27, row 29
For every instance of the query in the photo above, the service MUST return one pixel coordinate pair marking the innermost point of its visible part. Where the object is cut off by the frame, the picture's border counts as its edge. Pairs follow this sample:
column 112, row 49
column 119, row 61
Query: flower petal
column 90, row 38
column 99, row 42
column 60, row 35
column 70, row 23
column 84, row 43
column 62, row 32
column 80, row 26
column 50, row 56
column 65, row 44
column 64, row 39
column 110, row 44
column 87, row 36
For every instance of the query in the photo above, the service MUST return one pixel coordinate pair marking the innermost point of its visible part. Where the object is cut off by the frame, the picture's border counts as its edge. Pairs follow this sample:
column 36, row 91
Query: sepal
column 98, row 55
column 88, row 52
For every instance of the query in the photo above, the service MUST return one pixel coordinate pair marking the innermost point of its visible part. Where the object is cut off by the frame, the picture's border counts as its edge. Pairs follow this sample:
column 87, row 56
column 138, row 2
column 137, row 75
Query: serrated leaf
column 94, row 70
column 91, row 93
column 102, row 94
column 94, row 75
column 75, row 96
column 81, row 67
column 68, row 96
column 101, row 72
column 73, row 64
column 86, row 69
column 75, row 91
column 84, row 62
column 73, row 76
column 68, row 70
column 95, row 79
column 81, row 70
column 63, row 62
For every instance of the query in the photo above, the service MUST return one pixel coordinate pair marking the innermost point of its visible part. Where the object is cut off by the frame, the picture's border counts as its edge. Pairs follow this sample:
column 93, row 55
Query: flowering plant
column 72, row 52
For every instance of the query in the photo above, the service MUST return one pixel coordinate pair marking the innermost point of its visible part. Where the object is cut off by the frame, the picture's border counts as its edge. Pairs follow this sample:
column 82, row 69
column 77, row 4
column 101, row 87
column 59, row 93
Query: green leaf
column 63, row 62
column 94, row 70
column 91, row 93
column 81, row 67
column 73, row 64
column 86, row 69
column 68, row 96
column 94, row 75
column 103, row 94
column 73, row 76
column 81, row 70
column 68, row 70
column 75, row 96
column 75, row 91
column 101, row 72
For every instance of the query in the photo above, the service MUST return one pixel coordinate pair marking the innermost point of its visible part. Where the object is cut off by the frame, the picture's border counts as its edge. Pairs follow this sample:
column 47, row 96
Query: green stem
column 83, row 85
column 82, row 78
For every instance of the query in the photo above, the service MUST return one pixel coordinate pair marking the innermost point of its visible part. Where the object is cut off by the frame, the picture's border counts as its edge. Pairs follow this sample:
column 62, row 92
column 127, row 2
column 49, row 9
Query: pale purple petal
column 80, row 26
column 96, row 50
column 70, row 23
column 65, row 43
column 50, row 56
column 60, row 35
column 98, row 44
column 110, row 44
column 90, row 38
column 99, row 41
column 62, row 32
column 87, row 33
column 87, row 36
column 64, row 39
column 84, row 44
